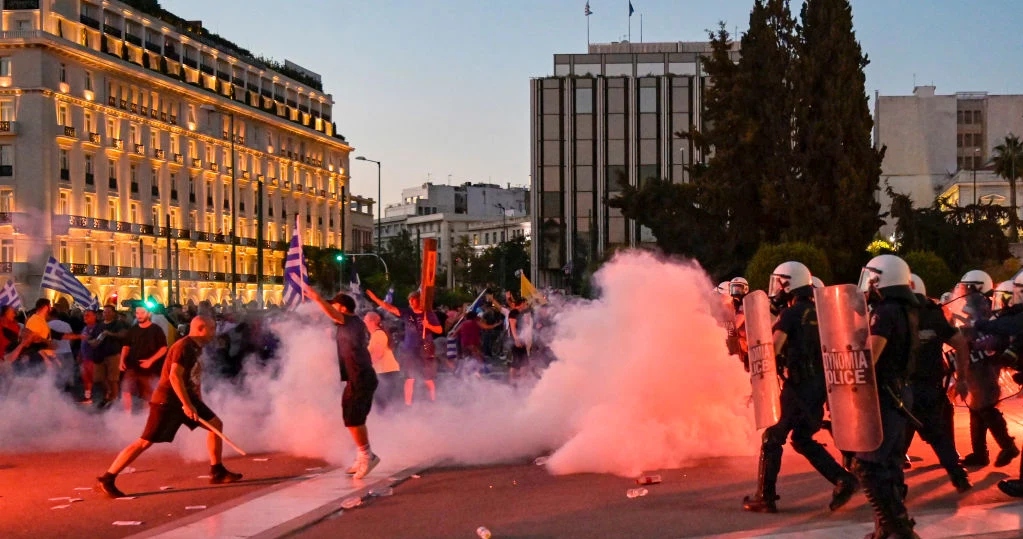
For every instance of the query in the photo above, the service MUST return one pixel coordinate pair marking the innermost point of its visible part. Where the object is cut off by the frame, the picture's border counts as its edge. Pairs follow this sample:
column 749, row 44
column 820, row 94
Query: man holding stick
column 177, row 401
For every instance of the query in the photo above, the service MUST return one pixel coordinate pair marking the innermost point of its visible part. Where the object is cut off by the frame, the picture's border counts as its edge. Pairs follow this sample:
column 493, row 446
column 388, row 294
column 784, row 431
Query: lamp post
column 234, row 213
column 363, row 158
column 973, row 163
column 504, row 233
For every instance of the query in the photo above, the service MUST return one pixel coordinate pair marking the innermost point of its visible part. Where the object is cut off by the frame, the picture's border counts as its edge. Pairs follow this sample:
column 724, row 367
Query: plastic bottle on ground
column 483, row 532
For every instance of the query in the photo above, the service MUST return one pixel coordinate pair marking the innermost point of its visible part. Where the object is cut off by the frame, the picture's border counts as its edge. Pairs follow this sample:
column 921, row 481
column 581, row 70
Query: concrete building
column 450, row 213
column 933, row 139
column 361, row 229
column 604, row 119
column 133, row 144
column 483, row 235
column 476, row 199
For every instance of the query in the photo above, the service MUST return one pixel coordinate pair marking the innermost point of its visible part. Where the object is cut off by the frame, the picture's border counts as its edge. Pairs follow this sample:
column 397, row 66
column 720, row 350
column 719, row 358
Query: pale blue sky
column 442, row 86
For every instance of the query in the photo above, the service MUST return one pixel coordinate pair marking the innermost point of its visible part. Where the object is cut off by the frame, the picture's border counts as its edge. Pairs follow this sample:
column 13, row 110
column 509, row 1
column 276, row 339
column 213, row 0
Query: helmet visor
column 1017, row 294
column 1000, row 300
column 869, row 277
column 738, row 289
column 779, row 283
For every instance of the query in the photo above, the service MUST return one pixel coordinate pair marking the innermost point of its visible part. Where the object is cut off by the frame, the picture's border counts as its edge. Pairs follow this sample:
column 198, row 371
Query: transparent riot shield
column 842, row 318
column 763, row 369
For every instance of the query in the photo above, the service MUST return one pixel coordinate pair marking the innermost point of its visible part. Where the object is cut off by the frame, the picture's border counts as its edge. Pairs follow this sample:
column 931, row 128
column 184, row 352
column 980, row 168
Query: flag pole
column 640, row 27
column 587, row 33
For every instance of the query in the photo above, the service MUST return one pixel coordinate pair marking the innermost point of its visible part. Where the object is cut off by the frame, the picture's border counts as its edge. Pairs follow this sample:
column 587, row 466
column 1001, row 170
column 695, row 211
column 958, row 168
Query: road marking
column 965, row 521
column 283, row 510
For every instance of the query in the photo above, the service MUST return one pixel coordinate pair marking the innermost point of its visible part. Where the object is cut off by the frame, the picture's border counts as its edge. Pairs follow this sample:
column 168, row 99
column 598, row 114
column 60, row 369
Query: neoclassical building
column 134, row 145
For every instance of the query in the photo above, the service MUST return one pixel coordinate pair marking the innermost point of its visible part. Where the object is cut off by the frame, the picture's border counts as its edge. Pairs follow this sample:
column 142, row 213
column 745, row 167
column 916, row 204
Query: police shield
column 848, row 369
column 762, row 367
column 728, row 318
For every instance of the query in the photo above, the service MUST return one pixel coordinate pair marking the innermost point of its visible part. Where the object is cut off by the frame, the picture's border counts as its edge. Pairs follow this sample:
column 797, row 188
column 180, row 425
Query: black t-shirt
column 185, row 352
column 142, row 343
column 353, row 357
column 889, row 319
column 934, row 331
column 802, row 353
column 110, row 346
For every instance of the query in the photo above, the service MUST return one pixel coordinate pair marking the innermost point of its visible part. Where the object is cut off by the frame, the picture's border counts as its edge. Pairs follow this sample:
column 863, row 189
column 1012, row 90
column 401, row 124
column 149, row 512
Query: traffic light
column 340, row 257
column 150, row 304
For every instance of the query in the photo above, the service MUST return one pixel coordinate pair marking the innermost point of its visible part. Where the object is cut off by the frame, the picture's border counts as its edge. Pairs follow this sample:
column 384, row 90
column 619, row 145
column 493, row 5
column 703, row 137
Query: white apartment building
column 477, row 199
column 133, row 144
column 486, row 234
column 935, row 142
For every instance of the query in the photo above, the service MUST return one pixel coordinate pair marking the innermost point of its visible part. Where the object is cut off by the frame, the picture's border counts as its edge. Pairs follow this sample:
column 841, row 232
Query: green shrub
column 769, row 256
column 933, row 270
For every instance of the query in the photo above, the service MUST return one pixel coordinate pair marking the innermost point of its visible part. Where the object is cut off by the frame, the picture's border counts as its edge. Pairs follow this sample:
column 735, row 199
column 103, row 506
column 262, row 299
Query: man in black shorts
column 356, row 367
column 177, row 401
column 520, row 322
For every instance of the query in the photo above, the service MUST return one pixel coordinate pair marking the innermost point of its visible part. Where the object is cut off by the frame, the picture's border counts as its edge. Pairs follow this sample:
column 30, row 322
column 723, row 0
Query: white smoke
column 642, row 382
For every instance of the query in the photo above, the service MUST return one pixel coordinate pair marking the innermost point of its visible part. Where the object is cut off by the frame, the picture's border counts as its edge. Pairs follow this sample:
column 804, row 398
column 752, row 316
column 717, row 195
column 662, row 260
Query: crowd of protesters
column 99, row 357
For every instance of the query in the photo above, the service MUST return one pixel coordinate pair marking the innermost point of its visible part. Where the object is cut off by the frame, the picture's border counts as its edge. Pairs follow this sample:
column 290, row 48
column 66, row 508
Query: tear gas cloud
column 642, row 381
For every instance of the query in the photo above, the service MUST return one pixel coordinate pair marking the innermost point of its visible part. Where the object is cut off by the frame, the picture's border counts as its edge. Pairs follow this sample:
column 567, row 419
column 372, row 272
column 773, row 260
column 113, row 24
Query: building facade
column 933, row 141
column 133, row 146
column 360, row 232
column 483, row 235
column 603, row 120
column 476, row 199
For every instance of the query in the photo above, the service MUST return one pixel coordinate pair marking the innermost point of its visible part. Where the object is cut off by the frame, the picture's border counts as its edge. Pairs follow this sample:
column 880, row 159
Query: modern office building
column 133, row 146
column 602, row 120
column 934, row 143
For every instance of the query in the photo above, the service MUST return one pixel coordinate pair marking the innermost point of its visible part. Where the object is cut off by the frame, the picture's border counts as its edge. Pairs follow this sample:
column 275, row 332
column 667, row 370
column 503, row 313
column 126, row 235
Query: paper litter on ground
column 127, row 523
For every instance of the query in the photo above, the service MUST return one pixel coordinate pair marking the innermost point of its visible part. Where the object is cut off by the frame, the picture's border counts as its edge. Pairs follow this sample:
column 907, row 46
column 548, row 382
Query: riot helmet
column 978, row 281
column 1002, row 296
column 738, row 288
column 787, row 280
column 917, row 284
column 818, row 283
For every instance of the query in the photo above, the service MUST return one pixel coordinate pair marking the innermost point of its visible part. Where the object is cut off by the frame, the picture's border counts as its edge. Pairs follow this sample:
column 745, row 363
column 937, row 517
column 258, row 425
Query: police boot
column 844, row 489
column 978, row 440
column 767, row 475
column 959, row 478
column 1000, row 432
column 1011, row 487
column 891, row 521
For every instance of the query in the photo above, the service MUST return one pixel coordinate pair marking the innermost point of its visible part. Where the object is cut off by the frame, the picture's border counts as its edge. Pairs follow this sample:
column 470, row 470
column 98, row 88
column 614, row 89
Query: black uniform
column 802, row 409
column 931, row 405
column 992, row 337
column 880, row 471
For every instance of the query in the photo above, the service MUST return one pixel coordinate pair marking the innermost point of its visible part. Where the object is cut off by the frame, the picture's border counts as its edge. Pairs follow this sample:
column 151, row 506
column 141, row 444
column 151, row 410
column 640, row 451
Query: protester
column 416, row 357
column 106, row 350
column 142, row 358
column 384, row 363
column 177, row 401
column 10, row 331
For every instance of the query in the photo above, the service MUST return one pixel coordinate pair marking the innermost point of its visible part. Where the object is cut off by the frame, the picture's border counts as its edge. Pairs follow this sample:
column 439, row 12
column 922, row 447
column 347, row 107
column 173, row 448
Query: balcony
column 173, row 119
column 246, row 174
column 134, row 108
column 152, row 47
column 140, row 149
column 228, row 170
column 214, row 167
column 90, row 178
column 158, row 153
column 112, row 100
column 112, row 31
column 144, row 110
column 89, row 21
column 154, row 114
column 196, row 162
column 69, row 131
column 179, row 159
column 323, row 193
column 299, row 188
column 206, row 69
column 190, row 62
column 117, row 143
column 134, row 40
column 8, row 127
column 94, row 138
column 171, row 55
column 163, row 116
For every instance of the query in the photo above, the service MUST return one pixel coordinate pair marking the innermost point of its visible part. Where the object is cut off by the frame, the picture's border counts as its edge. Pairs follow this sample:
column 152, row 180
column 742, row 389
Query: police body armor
column 848, row 368
column 763, row 368
column 987, row 381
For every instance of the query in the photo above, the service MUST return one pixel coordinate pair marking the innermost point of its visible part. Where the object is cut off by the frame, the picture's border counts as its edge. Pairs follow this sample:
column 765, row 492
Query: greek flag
column 9, row 296
column 587, row 10
column 56, row 277
column 294, row 268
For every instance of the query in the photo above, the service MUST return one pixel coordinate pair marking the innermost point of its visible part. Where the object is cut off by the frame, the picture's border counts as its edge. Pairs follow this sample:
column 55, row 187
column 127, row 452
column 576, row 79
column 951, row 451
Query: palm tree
column 1008, row 162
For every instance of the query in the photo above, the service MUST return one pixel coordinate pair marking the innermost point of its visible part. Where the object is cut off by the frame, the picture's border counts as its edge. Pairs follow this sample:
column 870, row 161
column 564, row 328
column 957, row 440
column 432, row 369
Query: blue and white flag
column 9, row 296
column 631, row 10
column 355, row 283
column 587, row 10
column 473, row 307
column 294, row 268
column 57, row 277
column 389, row 297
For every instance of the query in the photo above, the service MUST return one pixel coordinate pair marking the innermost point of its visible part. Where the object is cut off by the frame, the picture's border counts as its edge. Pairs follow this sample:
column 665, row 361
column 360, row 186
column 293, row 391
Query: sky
column 440, row 88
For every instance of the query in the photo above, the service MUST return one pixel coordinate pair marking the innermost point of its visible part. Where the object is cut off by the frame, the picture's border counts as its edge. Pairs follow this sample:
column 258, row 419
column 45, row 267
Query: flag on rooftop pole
column 9, row 296
column 294, row 268
column 587, row 11
column 57, row 277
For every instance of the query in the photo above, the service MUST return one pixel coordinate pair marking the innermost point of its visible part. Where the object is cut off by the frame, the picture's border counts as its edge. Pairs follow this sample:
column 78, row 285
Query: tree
column 402, row 259
column 1008, row 162
column 930, row 267
column 832, row 199
column 769, row 256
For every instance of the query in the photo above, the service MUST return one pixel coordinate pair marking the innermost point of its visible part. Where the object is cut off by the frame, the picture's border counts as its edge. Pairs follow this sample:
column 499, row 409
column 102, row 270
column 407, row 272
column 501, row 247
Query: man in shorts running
column 177, row 401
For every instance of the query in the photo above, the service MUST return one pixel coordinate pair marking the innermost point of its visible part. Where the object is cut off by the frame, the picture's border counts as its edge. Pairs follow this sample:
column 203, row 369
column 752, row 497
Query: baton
column 901, row 406
column 222, row 436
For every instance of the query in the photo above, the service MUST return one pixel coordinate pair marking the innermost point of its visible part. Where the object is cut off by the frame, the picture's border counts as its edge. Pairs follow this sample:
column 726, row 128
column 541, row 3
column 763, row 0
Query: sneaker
column 107, row 486
column 366, row 466
column 354, row 467
column 1006, row 455
column 223, row 476
column 975, row 459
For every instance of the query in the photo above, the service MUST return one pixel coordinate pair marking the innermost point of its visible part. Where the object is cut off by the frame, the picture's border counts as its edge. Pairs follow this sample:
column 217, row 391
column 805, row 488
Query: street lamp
column 234, row 219
column 363, row 158
column 504, row 234
column 973, row 163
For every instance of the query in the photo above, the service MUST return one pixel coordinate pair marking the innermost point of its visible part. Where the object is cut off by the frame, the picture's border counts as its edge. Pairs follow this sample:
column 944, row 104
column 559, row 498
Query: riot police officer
column 797, row 345
column 736, row 326
column 931, row 405
column 893, row 343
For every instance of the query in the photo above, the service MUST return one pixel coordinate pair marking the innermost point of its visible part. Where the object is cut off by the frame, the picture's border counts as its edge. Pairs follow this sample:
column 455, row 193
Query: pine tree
column 832, row 201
